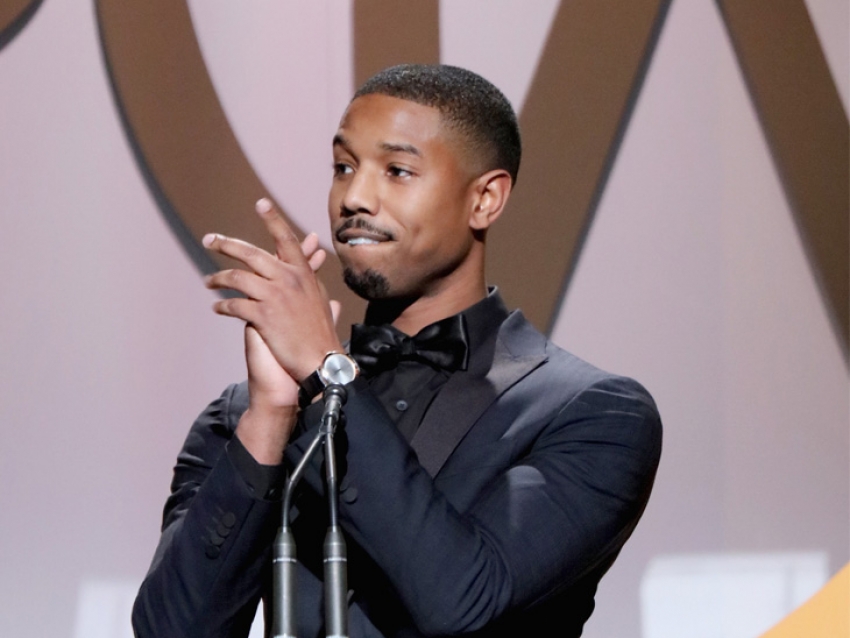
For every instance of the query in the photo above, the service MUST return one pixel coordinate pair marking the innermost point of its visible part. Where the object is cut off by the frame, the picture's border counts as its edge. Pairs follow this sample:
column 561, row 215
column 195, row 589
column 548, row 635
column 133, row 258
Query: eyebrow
column 401, row 148
column 389, row 147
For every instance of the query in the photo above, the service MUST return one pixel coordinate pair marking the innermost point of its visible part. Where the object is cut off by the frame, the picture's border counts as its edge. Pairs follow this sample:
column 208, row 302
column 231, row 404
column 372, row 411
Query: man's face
column 400, row 200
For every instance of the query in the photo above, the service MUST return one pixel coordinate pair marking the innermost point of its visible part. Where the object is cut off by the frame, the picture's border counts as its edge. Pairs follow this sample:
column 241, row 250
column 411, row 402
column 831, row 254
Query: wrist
column 336, row 368
column 264, row 431
column 315, row 361
column 271, row 409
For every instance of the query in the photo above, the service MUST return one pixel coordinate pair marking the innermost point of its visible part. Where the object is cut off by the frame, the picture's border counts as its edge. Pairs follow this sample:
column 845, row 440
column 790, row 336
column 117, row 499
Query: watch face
column 338, row 368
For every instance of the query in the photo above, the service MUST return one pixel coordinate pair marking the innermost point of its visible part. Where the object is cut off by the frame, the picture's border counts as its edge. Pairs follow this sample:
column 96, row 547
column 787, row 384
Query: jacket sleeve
column 562, row 507
column 213, row 556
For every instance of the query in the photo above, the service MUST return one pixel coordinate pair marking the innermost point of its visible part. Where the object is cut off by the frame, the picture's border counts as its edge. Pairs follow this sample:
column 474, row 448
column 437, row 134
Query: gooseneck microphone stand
column 335, row 556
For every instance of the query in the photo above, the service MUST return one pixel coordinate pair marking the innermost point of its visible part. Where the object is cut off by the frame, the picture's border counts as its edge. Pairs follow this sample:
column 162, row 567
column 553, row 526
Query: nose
column 360, row 195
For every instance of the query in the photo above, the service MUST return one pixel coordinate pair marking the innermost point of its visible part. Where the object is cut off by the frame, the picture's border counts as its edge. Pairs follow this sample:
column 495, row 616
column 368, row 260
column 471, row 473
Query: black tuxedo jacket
column 515, row 495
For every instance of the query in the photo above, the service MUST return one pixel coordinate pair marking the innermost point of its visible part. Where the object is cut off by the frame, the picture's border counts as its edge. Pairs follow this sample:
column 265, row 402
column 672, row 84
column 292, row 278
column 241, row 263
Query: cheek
column 437, row 212
column 334, row 195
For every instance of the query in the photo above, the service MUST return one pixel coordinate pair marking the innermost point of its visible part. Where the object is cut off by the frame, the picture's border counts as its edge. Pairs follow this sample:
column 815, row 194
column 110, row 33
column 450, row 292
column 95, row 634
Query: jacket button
column 229, row 519
column 212, row 551
column 349, row 495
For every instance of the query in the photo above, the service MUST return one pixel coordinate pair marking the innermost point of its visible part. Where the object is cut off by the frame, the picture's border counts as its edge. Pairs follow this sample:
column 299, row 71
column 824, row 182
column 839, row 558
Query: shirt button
column 401, row 405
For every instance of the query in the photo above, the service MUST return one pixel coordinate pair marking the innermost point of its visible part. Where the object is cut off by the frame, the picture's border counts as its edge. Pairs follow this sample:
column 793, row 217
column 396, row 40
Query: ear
column 490, row 195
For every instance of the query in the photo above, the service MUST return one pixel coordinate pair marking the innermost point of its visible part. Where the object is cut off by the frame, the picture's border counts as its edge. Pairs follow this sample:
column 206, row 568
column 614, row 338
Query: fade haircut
column 468, row 104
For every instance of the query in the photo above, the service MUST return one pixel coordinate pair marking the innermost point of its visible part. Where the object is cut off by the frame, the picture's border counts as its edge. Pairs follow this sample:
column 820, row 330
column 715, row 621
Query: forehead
column 382, row 119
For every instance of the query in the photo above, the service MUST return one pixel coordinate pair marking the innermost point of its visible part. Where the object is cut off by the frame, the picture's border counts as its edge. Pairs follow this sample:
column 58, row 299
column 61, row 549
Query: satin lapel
column 465, row 397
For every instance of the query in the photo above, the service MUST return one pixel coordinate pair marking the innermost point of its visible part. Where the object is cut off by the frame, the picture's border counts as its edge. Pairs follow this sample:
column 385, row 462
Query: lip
column 367, row 233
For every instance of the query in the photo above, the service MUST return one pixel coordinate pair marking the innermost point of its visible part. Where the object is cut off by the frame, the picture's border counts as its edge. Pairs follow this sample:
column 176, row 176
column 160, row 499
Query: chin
column 369, row 284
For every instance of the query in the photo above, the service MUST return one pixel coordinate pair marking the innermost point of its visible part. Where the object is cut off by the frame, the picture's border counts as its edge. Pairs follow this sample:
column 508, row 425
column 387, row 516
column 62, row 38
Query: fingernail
column 263, row 205
column 208, row 240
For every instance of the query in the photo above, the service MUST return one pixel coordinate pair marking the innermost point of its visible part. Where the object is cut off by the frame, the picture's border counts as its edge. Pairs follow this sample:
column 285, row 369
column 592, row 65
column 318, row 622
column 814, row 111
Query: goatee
column 370, row 285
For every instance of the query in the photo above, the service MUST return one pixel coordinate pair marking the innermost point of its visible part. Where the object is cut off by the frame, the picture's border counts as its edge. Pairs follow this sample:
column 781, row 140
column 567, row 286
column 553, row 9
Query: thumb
column 336, row 309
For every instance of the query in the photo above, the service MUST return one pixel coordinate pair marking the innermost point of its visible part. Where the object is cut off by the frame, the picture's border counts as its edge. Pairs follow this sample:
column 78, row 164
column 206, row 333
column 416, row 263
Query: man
column 490, row 478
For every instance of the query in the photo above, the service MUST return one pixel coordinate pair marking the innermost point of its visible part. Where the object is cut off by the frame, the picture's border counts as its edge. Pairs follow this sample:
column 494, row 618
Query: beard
column 370, row 285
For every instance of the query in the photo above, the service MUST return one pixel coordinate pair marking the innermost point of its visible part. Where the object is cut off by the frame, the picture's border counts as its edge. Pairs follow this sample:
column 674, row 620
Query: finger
column 286, row 243
column 253, row 340
column 257, row 259
column 249, row 284
column 317, row 259
column 244, row 309
column 315, row 255
column 336, row 310
column 252, row 334
column 310, row 244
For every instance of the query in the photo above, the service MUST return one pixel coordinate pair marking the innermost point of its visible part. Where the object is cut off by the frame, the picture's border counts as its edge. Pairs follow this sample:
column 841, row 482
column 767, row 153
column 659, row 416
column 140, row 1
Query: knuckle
column 251, row 252
column 228, row 305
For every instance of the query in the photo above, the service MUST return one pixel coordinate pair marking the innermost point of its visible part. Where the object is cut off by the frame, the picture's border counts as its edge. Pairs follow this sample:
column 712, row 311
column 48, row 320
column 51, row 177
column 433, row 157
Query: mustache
column 361, row 224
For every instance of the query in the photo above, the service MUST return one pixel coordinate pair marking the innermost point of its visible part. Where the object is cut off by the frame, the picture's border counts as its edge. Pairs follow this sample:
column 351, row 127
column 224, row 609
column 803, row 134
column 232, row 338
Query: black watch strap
column 309, row 389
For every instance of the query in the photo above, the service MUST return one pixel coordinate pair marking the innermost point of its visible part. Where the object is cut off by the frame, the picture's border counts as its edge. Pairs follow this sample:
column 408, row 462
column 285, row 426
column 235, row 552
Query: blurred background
column 690, row 256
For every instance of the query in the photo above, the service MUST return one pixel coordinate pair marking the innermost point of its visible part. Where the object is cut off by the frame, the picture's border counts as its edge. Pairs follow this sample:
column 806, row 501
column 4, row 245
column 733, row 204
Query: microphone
column 283, row 573
column 285, row 562
column 336, row 584
column 335, row 554
column 335, row 397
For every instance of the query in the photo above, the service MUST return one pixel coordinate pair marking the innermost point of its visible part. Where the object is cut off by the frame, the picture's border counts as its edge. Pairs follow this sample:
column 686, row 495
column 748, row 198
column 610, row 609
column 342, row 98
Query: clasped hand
column 289, row 320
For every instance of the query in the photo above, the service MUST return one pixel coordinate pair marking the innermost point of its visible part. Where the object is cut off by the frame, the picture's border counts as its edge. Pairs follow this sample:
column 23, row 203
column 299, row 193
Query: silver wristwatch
column 337, row 368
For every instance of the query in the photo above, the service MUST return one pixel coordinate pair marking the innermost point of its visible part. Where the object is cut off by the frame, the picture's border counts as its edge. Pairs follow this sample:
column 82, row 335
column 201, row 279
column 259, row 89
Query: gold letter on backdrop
column 577, row 110
column 14, row 15
column 573, row 122
column 807, row 131
column 190, row 158
column 578, row 107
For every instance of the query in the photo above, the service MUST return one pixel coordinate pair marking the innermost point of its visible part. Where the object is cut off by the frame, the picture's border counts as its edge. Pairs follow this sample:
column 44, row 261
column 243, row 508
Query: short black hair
column 468, row 103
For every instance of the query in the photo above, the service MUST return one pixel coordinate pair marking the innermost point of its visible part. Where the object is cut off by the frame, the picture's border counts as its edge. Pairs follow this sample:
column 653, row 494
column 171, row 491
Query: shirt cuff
column 265, row 481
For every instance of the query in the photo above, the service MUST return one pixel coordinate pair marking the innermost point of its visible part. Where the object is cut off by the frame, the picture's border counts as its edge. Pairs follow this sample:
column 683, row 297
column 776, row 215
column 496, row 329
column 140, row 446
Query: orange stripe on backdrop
column 824, row 615
column 807, row 129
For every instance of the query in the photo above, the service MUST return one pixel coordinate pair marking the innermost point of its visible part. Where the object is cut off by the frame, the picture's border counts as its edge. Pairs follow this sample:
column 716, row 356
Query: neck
column 446, row 296
column 411, row 315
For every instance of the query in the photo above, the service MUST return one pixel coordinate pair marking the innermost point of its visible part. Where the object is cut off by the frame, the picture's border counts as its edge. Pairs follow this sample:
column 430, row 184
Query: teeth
column 360, row 240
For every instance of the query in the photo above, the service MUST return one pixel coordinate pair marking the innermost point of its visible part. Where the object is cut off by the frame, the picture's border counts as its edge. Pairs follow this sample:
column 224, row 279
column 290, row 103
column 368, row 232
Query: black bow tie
column 442, row 345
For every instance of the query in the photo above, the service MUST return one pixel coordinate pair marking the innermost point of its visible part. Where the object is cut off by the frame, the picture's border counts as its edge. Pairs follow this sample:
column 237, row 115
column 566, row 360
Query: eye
column 398, row 171
column 341, row 168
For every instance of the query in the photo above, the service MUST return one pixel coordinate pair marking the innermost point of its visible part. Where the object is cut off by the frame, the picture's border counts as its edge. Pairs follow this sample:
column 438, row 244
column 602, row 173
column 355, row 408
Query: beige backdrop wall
column 693, row 278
